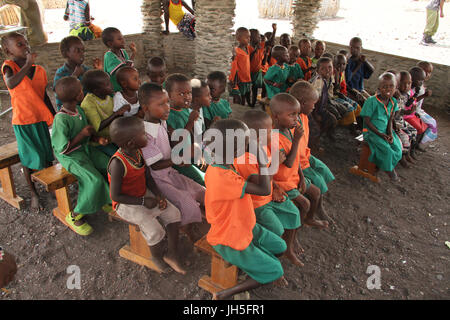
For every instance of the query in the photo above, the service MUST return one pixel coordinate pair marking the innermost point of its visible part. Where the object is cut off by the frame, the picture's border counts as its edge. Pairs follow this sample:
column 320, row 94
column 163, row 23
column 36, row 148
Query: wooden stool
column 223, row 274
column 365, row 168
column 9, row 156
column 57, row 179
column 138, row 251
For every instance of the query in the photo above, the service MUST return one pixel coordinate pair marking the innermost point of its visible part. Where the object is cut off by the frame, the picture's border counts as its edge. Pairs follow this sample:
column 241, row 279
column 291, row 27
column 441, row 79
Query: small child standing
column 234, row 232
column 358, row 69
column 72, row 49
column 157, row 70
column 304, row 60
column 180, row 117
column 319, row 49
column 378, row 116
column 128, row 79
column 99, row 106
column 295, row 71
column 277, row 75
column 219, row 108
column 70, row 137
column 240, row 77
column 117, row 56
column 184, row 193
column 201, row 100
column 136, row 198
column 31, row 107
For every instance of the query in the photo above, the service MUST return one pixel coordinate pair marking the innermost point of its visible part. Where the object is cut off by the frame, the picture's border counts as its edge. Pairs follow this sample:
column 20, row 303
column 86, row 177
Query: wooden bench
column 9, row 156
column 223, row 274
column 365, row 168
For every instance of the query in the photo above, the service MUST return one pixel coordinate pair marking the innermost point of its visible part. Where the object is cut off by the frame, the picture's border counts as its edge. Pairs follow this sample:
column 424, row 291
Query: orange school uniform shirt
column 27, row 98
column 246, row 166
column 256, row 58
column 287, row 178
column 303, row 150
column 240, row 67
column 229, row 209
column 305, row 65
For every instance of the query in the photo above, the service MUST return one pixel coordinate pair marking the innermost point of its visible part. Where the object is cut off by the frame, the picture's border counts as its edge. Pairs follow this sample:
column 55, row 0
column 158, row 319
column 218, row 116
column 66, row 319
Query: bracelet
column 2, row 254
column 143, row 201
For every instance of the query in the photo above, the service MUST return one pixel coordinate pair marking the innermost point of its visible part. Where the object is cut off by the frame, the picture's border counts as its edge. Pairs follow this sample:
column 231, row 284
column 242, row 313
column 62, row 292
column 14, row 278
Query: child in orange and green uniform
column 234, row 232
column 240, row 77
column 304, row 60
column 31, row 107
column 277, row 75
column 295, row 71
column 275, row 211
column 180, row 117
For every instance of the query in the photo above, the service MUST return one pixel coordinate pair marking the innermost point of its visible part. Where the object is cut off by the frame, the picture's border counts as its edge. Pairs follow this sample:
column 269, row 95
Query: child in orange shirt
column 285, row 110
column 32, row 110
column 234, row 232
column 305, row 61
column 313, row 169
column 240, row 77
column 276, row 213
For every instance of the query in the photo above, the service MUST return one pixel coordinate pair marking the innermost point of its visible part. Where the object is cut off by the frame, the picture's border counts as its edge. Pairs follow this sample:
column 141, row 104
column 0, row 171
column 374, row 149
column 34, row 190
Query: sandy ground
column 399, row 227
column 394, row 27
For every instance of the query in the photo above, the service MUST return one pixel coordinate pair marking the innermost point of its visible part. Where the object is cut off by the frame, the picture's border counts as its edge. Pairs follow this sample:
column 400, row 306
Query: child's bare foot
column 323, row 215
column 174, row 264
column 161, row 265
column 413, row 155
column 35, row 204
column 409, row 159
column 393, row 175
column 281, row 282
column 292, row 257
column 321, row 224
column 298, row 248
column 404, row 163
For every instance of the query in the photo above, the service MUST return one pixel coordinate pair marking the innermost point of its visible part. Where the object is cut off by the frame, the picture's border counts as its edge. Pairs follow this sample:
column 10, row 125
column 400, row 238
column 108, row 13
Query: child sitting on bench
column 32, row 109
column 378, row 116
column 234, row 232
column 128, row 79
column 70, row 140
column 136, row 198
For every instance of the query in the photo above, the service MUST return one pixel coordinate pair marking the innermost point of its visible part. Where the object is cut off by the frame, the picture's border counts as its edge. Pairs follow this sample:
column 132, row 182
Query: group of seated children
column 111, row 128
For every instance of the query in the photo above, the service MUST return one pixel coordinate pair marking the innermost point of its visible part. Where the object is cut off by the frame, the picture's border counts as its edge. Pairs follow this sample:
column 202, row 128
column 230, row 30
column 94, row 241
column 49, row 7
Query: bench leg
column 138, row 251
column 8, row 190
column 365, row 168
column 64, row 205
column 223, row 276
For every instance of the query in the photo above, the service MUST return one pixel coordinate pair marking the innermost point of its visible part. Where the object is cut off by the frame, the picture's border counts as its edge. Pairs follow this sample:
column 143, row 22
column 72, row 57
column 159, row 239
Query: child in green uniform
column 277, row 75
column 219, row 108
column 180, row 95
column 117, row 56
column 234, row 232
column 70, row 137
column 295, row 71
column 378, row 115
column 98, row 106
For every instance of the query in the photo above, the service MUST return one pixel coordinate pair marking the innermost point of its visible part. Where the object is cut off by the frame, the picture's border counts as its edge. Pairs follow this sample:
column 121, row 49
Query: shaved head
column 283, row 102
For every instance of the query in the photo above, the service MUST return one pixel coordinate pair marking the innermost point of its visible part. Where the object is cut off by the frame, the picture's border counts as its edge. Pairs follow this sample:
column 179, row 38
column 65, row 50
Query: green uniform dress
column 178, row 120
column 112, row 63
column 85, row 162
column 385, row 155
column 221, row 108
column 319, row 174
column 295, row 73
column 277, row 74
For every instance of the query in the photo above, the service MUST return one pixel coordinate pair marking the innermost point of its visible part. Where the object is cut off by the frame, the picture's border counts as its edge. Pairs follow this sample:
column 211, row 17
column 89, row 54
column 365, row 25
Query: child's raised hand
column 8, row 268
column 132, row 47
column 97, row 64
column 194, row 116
column 150, row 202
column 125, row 108
column 31, row 58
column 88, row 131
column 298, row 132
column 274, row 27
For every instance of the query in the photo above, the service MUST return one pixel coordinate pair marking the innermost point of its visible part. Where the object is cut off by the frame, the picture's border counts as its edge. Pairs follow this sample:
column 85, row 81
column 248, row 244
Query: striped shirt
column 76, row 11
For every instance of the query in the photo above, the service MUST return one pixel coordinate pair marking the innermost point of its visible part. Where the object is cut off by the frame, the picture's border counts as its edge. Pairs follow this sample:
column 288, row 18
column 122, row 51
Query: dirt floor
column 399, row 227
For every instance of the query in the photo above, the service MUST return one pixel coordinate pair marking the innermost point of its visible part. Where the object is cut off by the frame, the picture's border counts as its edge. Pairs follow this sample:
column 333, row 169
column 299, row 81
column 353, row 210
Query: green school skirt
column 34, row 145
column 257, row 79
column 294, row 193
column 192, row 172
column 244, row 88
column 319, row 174
column 278, row 216
column 258, row 259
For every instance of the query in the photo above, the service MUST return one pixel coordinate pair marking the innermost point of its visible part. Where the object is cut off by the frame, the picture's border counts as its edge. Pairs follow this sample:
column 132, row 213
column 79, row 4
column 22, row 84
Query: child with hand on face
column 98, row 106
column 304, row 60
column 32, row 110
column 378, row 116
column 235, row 234
column 117, row 56
column 277, row 75
column 136, row 197
column 219, row 108
column 72, row 49
column 184, row 193
column 128, row 79
column 70, row 136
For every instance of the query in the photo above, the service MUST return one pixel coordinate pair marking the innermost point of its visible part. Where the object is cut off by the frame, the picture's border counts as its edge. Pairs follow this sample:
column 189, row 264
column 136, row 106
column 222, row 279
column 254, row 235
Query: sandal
column 84, row 230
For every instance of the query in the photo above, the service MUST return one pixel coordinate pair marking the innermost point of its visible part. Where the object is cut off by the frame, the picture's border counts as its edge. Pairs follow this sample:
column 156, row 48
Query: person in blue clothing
column 358, row 69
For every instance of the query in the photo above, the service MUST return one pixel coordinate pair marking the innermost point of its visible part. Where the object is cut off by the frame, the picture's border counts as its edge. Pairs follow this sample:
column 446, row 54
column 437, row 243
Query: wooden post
column 8, row 190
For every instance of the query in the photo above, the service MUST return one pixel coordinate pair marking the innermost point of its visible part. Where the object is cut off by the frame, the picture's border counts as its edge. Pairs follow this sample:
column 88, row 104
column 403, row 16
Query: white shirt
column 120, row 101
